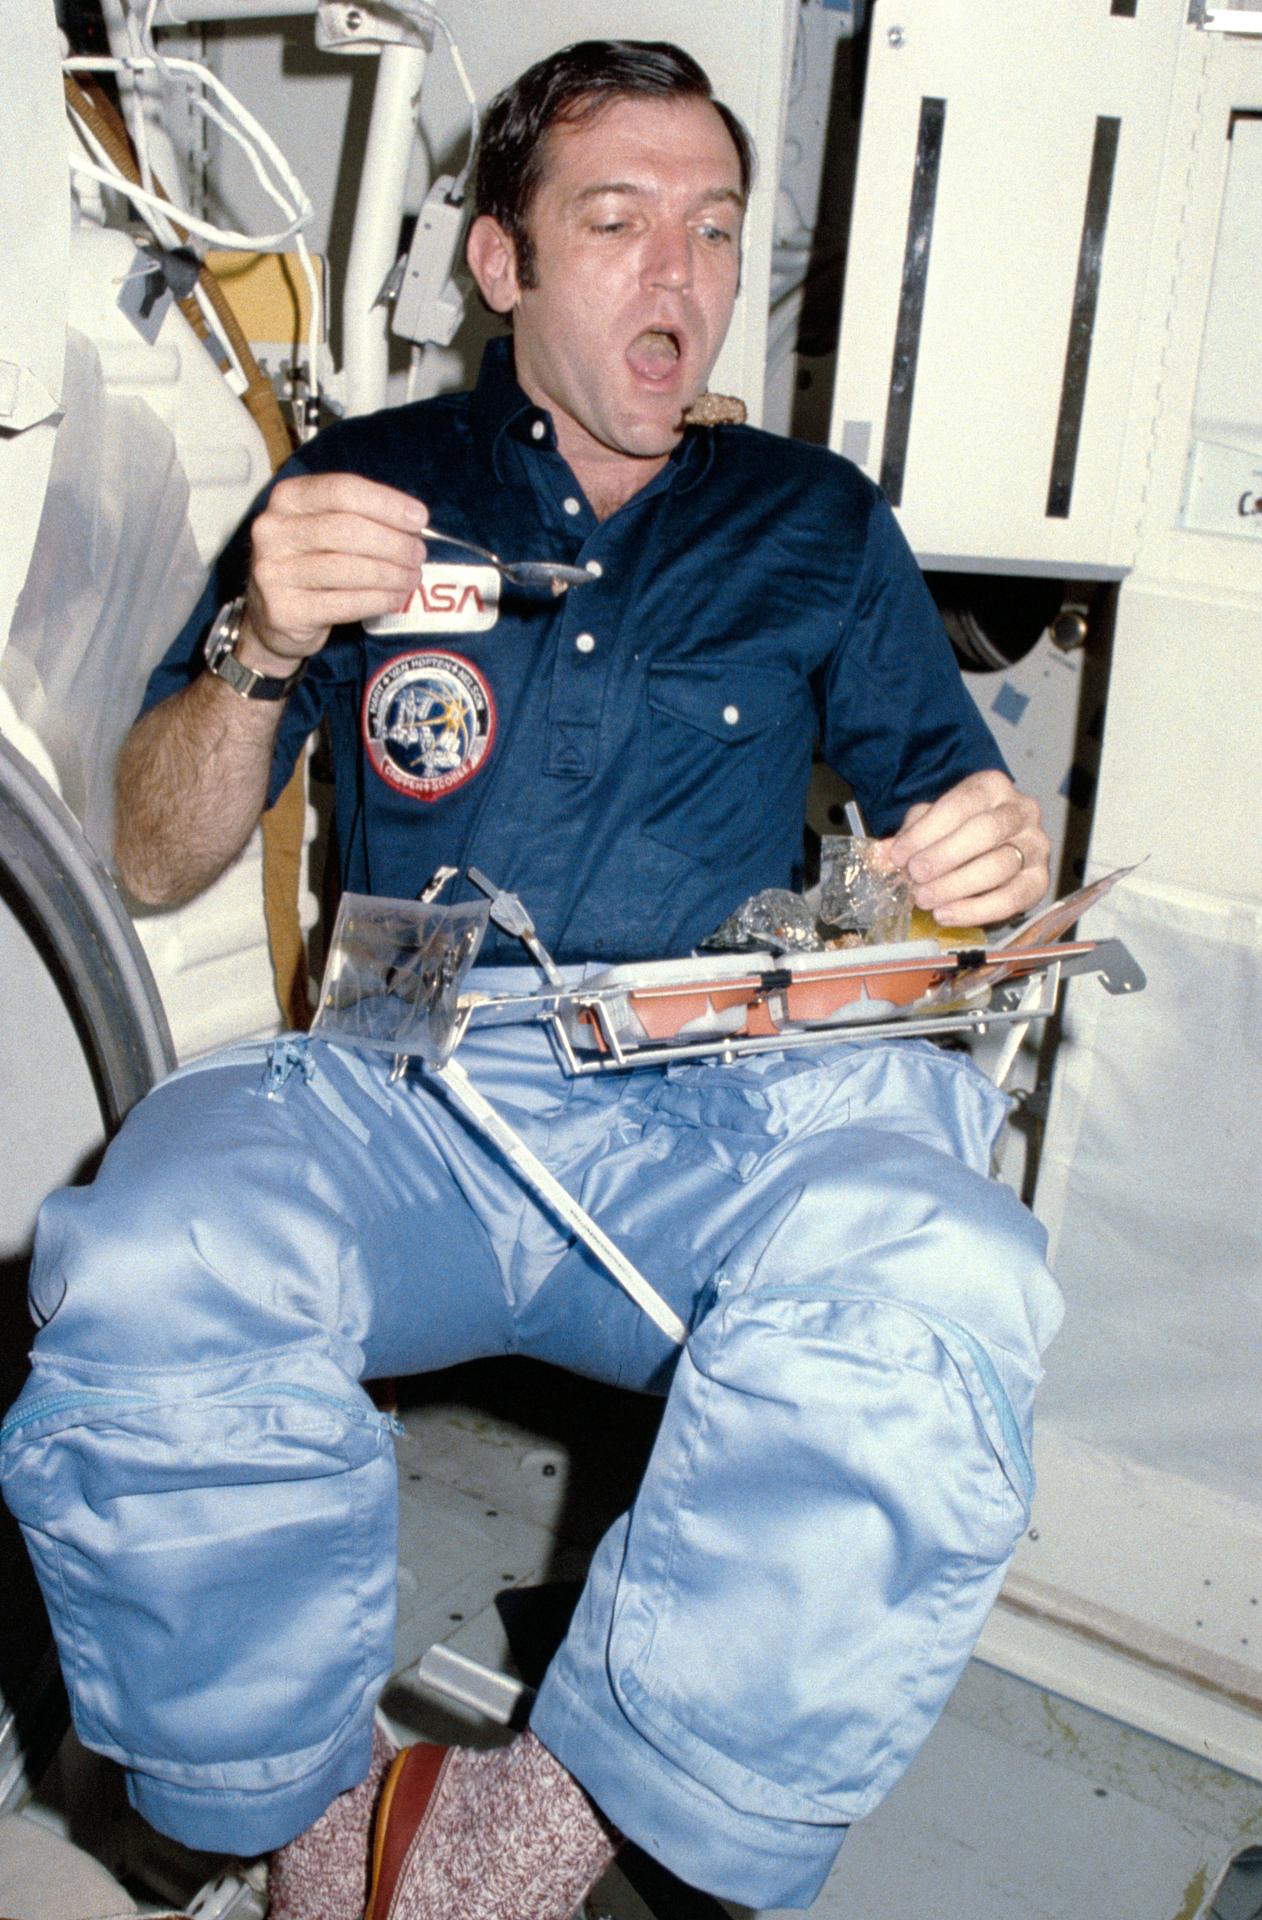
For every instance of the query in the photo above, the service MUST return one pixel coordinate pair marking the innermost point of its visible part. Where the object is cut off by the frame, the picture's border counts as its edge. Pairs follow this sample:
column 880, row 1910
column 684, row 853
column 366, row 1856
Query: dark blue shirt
column 632, row 756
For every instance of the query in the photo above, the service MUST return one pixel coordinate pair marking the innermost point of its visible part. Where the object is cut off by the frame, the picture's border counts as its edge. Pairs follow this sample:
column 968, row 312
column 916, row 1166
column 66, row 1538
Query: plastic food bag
column 859, row 892
column 394, row 972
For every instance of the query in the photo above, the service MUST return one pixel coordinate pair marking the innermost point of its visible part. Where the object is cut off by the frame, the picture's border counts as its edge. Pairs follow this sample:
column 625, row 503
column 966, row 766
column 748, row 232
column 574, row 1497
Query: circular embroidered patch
column 429, row 720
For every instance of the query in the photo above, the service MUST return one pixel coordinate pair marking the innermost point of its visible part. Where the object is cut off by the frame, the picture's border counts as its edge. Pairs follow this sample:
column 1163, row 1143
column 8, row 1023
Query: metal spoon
column 523, row 573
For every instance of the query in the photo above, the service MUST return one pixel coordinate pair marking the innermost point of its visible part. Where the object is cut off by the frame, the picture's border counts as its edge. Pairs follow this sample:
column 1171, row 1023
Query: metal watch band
column 221, row 659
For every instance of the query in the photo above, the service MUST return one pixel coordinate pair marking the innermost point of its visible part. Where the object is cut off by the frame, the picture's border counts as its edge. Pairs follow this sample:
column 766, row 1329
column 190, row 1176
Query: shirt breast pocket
column 731, row 750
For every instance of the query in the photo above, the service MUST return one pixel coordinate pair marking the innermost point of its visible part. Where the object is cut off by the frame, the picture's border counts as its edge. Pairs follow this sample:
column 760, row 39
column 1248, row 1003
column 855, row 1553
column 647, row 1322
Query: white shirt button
column 731, row 715
column 572, row 505
column 586, row 643
column 538, row 430
column 594, row 568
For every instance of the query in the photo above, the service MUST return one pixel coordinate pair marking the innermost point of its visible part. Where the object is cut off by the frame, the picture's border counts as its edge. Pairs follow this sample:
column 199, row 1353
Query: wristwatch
column 221, row 659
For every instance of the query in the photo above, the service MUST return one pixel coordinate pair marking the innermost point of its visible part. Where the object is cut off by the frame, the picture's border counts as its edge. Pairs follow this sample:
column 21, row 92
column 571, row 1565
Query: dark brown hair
column 567, row 88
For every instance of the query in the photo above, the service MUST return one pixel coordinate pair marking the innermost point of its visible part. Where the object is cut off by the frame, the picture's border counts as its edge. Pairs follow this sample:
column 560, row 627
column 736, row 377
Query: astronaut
column 843, row 1464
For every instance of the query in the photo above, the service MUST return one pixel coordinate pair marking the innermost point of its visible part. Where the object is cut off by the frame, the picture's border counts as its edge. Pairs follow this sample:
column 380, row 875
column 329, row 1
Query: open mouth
column 655, row 353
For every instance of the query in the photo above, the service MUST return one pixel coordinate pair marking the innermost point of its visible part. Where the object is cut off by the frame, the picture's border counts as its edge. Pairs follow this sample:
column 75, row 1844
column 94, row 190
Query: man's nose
column 668, row 257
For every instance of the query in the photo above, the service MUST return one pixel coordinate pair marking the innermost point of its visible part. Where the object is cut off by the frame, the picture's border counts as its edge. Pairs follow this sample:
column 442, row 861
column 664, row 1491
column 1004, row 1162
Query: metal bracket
column 366, row 26
column 1118, row 969
column 510, row 916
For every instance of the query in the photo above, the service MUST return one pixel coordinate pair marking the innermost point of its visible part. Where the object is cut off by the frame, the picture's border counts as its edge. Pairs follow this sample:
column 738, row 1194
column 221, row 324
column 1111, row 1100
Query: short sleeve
column 184, row 659
column 898, row 723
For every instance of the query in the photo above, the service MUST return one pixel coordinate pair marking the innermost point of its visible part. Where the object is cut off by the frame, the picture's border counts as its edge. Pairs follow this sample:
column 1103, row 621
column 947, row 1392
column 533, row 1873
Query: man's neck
column 607, row 489
column 608, row 478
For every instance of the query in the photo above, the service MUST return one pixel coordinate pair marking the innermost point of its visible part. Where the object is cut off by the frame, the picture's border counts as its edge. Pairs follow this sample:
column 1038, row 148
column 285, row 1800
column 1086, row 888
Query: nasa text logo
column 429, row 720
column 449, row 599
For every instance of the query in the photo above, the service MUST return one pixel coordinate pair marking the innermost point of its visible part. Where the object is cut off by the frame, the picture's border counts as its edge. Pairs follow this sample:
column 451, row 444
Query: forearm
column 328, row 549
column 192, row 781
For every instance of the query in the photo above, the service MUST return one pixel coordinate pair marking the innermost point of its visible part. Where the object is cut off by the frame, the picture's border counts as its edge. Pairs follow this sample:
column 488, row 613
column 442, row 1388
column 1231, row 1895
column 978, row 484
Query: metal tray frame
column 1018, row 1003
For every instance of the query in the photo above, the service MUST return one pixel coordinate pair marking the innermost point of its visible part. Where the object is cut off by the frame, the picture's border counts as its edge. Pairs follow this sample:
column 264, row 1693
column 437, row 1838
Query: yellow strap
column 282, row 868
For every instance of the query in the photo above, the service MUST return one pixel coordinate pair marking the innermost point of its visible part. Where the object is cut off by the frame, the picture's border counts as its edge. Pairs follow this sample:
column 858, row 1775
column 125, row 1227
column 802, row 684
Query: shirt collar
column 500, row 408
column 499, row 405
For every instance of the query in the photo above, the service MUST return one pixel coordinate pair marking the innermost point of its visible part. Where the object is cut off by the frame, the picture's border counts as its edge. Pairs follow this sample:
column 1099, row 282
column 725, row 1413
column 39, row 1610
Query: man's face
column 636, row 228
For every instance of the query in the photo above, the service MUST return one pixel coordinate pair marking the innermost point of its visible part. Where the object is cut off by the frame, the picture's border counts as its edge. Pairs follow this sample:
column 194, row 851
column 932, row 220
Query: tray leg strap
column 562, row 1203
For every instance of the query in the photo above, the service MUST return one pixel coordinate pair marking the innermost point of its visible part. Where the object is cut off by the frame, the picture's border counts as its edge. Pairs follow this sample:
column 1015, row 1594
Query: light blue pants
column 841, row 1473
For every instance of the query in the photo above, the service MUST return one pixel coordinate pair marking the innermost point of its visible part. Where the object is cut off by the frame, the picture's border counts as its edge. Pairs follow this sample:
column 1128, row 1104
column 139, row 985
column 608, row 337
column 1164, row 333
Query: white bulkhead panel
column 1001, row 230
column 1049, row 358
column 35, row 221
column 1224, row 490
column 1140, row 1590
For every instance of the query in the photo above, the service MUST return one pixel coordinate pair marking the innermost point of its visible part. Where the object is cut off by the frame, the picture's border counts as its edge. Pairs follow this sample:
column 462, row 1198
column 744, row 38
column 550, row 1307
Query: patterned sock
column 507, row 1835
column 323, row 1874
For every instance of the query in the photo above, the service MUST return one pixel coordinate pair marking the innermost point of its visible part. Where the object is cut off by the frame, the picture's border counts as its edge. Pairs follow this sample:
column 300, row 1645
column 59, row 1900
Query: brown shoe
column 401, row 1815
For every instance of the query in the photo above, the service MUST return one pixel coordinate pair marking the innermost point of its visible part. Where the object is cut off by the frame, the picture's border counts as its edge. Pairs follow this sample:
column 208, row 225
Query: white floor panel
column 1022, row 1806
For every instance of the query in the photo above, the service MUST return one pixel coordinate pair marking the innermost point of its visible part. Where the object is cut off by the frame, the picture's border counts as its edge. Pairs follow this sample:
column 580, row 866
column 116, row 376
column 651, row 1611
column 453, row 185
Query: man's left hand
column 977, row 854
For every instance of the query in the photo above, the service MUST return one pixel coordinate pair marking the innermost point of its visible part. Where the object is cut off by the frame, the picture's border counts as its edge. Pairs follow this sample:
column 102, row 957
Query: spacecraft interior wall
column 316, row 107
column 35, row 222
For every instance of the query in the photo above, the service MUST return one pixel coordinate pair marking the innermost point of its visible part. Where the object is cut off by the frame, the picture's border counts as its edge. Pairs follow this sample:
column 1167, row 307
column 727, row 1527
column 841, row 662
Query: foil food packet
column 862, row 901
column 773, row 921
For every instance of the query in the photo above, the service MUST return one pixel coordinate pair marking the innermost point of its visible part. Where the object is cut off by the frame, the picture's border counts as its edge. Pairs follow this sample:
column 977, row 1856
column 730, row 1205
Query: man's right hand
column 192, row 777
column 328, row 548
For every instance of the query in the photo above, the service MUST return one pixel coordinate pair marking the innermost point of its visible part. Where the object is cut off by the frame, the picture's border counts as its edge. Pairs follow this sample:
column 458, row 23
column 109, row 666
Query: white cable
column 157, row 221
column 109, row 176
column 221, row 120
column 283, row 188
column 139, row 117
column 462, row 73
column 298, row 206
column 414, row 373
column 308, row 416
column 427, row 15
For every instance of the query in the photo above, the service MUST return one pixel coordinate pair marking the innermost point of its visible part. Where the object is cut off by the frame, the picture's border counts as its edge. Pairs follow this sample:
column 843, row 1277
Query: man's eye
column 611, row 226
column 709, row 231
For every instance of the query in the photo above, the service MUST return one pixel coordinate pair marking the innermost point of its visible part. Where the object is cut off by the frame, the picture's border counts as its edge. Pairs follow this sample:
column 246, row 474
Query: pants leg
column 841, row 1474
column 206, row 1490
column 208, row 1495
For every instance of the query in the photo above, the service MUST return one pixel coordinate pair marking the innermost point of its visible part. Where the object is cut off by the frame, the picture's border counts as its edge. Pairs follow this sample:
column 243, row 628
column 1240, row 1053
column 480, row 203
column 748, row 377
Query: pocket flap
column 728, row 703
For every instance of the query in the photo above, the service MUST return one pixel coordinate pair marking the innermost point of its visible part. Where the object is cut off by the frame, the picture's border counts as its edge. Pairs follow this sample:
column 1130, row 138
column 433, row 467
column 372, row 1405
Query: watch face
column 223, row 634
column 221, row 659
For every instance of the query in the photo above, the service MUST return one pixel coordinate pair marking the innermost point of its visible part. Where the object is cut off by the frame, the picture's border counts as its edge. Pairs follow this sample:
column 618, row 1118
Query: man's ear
column 492, row 259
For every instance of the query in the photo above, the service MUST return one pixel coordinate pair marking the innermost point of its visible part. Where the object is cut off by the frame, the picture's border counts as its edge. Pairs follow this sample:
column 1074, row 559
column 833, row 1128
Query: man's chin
column 654, row 439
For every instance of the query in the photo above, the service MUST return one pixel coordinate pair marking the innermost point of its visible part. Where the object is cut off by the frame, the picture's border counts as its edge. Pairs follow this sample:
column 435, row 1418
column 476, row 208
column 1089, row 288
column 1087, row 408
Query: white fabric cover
column 114, row 572
column 1149, row 1187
